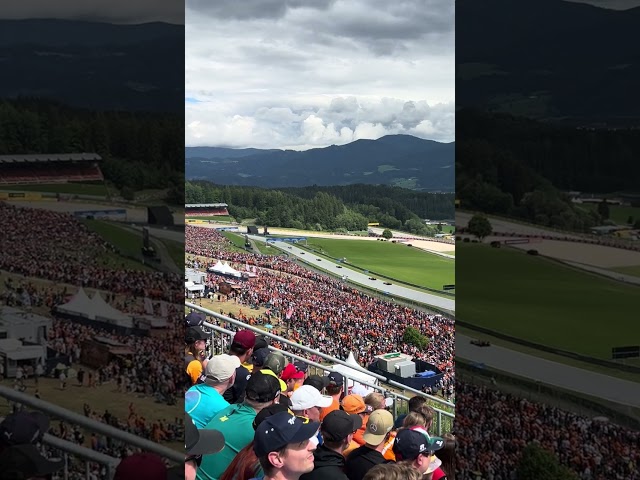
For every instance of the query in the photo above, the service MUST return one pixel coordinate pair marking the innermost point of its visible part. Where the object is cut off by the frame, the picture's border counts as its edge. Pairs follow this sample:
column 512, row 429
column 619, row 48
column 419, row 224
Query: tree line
column 521, row 168
column 327, row 208
column 139, row 150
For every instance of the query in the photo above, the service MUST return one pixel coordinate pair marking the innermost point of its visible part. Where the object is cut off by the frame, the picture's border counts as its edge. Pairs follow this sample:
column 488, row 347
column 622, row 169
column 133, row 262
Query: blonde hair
column 393, row 471
column 414, row 419
column 376, row 400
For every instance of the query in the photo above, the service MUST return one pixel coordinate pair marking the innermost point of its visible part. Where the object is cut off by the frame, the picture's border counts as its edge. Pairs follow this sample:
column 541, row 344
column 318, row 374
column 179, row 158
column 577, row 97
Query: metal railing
column 71, row 450
column 443, row 418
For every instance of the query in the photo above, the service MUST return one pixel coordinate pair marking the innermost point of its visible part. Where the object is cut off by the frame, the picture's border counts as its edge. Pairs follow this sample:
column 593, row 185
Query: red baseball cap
column 290, row 372
column 141, row 465
column 245, row 338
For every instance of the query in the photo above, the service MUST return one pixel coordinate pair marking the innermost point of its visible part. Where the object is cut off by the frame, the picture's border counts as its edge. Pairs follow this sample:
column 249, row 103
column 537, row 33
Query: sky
column 300, row 74
column 110, row 11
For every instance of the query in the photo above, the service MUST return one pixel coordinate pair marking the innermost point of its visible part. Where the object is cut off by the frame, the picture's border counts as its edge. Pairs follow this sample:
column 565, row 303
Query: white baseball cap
column 221, row 367
column 307, row 396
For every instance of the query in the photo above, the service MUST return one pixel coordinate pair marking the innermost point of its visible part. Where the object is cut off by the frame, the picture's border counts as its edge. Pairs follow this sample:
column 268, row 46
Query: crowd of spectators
column 593, row 448
column 324, row 309
column 71, row 254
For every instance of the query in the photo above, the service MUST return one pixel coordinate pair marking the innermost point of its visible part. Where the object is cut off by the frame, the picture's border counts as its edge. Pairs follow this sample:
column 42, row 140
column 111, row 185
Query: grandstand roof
column 45, row 157
column 206, row 205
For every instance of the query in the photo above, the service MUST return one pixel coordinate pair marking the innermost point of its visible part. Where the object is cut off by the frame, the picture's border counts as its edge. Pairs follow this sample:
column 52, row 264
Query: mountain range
column 549, row 59
column 400, row 160
column 94, row 65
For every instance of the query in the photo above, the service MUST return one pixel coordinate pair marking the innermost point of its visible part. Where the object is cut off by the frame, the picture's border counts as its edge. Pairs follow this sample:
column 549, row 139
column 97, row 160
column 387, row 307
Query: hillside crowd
column 324, row 309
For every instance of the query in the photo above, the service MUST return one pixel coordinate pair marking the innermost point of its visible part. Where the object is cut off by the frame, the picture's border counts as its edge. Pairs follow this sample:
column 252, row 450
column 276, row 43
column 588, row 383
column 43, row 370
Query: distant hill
column 94, row 65
column 400, row 160
column 549, row 59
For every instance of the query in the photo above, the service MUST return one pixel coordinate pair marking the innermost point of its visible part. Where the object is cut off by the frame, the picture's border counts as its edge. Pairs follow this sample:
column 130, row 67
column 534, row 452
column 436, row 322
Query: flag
column 289, row 313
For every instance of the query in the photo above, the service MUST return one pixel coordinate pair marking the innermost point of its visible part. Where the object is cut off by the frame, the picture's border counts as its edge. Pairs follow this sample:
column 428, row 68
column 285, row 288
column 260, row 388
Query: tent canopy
column 352, row 374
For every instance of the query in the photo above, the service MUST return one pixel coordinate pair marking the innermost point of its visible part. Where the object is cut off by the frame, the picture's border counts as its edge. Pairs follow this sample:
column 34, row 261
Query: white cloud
column 305, row 77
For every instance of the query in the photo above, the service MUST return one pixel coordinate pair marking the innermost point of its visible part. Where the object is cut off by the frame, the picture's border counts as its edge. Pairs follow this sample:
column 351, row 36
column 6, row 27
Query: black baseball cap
column 23, row 427
column 195, row 333
column 259, row 356
column 301, row 366
column 201, row 442
column 338, row 425
column 194, row 319
column 411, row 442
column 316, row 381
column 336, row 379
column 262, row 388
column 267, row 412
column 21, row 462
column 280, row 430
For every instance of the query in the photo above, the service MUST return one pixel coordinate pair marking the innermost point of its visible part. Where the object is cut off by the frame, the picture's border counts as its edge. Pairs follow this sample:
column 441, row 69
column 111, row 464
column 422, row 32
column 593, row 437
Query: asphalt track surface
column 547, row 372
column 504, row 226
column 399, row 291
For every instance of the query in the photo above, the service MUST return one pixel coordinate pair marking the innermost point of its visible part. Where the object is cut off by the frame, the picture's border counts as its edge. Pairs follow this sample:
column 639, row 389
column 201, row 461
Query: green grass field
column 392, row 260
column 176, row 251
column 633, row 271
column 218, row 218
column 617, row 213
column 96, row 189
column 544, row 302
column 127, row 242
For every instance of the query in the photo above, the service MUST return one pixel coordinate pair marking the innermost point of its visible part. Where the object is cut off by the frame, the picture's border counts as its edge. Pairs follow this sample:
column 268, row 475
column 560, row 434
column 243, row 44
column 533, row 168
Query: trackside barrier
column 74, row 418
column 218, row 346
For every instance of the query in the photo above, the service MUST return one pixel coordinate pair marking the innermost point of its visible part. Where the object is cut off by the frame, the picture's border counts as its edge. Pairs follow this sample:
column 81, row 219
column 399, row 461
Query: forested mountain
column 400, row 160
column 328, row 208
column 564, row 61
column 516, row 166
column 140, row 150
column 94, row 65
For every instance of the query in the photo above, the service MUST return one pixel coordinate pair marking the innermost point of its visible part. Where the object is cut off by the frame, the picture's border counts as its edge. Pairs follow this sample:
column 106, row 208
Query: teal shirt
column 202, row 402
column 235, row 423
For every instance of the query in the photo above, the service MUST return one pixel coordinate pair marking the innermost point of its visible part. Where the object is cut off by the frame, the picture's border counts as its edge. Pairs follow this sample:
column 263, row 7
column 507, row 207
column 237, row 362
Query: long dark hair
column 447, row 455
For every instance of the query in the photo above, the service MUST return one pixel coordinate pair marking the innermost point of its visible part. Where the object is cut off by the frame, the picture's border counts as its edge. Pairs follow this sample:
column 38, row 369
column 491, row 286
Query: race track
column 399, row 291
column 570, row 378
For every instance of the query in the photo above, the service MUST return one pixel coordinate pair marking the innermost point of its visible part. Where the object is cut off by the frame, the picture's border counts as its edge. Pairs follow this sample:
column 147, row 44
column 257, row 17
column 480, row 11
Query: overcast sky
column 111, row 11
column 301, row 74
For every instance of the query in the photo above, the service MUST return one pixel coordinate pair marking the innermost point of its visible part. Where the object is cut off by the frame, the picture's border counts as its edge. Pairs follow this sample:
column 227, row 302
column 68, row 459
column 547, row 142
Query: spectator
column 234, row 422
column 195, row 338
column 447, row 456
column 334, row 388
column 246, row 465
column 414, row 446
column 317, row 381
column 197, row 443
column 362, row 459
column 204, row 400
column 307, row 402
column 414, row 403
column 284, row 445
column 23, row 428
column 241, row 347
column 337, row 431
column 354, row 404
column 293, row 377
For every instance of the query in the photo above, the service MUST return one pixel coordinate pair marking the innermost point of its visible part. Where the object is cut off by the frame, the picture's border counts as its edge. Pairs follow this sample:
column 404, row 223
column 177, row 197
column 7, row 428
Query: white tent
column 80, row 305
column 105, row 312
column 352, row 374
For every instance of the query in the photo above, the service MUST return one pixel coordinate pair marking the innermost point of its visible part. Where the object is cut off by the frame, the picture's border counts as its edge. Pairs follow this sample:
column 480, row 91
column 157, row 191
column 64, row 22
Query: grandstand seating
column 49, row 172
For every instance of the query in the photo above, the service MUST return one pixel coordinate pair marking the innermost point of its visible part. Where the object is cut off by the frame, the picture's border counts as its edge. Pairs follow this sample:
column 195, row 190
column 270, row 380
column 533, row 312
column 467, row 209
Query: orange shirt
column 325, row 411
column 387, row 451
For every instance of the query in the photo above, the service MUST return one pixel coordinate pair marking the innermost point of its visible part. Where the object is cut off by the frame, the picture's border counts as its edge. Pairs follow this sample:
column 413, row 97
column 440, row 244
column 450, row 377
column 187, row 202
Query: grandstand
column 206, row 209
column 50, row 169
